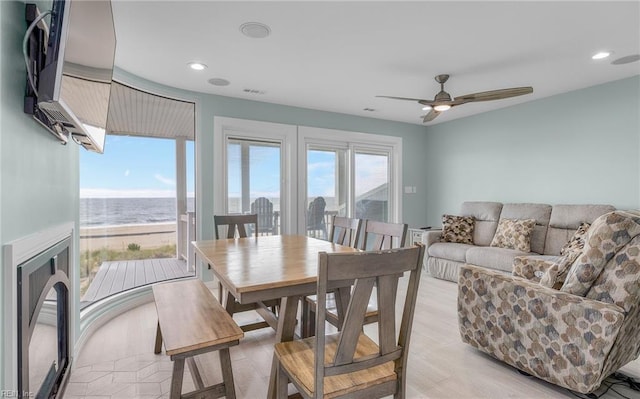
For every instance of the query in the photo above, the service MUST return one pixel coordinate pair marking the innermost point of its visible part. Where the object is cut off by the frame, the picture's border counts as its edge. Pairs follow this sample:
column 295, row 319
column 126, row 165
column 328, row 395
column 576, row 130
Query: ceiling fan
column 442, row 101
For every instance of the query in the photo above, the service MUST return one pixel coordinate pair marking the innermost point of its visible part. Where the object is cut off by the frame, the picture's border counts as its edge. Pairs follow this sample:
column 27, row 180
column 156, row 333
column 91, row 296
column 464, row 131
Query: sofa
column 574, row 336
column 554, row 226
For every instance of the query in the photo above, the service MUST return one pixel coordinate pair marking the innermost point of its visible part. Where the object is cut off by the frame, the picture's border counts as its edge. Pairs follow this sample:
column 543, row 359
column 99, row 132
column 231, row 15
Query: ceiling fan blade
column 433, row 114
column 404, row 98
column 495, row 94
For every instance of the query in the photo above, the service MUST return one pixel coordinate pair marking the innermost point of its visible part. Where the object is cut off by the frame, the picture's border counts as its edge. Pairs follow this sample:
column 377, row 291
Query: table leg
column 158, row 347
column 176, row 378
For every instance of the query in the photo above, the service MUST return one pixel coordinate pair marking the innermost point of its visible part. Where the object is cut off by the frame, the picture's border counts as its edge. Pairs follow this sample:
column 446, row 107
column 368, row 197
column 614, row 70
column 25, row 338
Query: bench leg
column 227, row 373
column 158, row 348
column 176, row 379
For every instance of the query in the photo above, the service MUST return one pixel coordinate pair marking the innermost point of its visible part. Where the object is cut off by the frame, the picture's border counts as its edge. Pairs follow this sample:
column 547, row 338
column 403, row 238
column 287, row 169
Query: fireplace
column 43, row 321
column 40, row 309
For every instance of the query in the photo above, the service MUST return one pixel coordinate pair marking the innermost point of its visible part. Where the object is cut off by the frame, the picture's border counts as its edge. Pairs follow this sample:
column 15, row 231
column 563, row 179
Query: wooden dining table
column 264, row 268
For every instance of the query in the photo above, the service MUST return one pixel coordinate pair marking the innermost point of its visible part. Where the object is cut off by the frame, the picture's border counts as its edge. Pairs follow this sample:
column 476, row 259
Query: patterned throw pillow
column 555, row 275
column 458, row 229
column 514, row 234
column 576, row 243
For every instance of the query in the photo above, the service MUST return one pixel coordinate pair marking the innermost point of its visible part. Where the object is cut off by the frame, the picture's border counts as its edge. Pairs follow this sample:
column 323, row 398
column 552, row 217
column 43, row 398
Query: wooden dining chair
column 376, row 236
column 349, row 363
column 382, row 235
column 344, row 231
column 235, row 224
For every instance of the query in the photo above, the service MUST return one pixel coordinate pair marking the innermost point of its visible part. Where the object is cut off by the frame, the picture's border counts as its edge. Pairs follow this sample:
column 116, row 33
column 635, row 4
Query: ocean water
column 116, row 211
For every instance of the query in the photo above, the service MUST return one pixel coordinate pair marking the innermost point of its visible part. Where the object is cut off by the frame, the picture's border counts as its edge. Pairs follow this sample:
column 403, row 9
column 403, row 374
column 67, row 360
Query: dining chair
column 235, row 224
column 344, row 231
column 349, row 363
column 381, row 235
column 376, row 236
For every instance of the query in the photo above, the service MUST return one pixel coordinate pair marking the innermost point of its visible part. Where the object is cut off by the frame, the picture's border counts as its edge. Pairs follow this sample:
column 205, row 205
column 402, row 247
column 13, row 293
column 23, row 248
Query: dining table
column 265, row 268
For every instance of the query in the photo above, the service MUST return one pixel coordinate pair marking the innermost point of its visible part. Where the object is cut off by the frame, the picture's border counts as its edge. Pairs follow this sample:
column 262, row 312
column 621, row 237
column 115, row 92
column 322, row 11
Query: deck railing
column 186, row 234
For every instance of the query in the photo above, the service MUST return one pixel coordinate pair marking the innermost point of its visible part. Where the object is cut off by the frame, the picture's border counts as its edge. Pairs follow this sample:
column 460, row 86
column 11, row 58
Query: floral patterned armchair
column 572, row 337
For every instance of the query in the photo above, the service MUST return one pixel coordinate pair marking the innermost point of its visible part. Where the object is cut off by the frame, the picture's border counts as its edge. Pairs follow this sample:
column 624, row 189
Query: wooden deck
column 117, row 276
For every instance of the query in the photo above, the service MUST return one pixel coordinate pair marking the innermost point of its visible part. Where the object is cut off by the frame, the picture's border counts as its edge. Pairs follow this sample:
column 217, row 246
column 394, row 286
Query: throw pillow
column 576, row 243
column 554, row 276
column 514, row 234
column 457, row 229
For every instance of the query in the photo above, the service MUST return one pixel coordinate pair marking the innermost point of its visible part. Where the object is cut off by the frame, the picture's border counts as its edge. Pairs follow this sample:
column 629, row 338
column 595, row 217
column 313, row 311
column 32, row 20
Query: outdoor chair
column 264, row 209
column 349, row 363
column 380, row 236
column 315, row 217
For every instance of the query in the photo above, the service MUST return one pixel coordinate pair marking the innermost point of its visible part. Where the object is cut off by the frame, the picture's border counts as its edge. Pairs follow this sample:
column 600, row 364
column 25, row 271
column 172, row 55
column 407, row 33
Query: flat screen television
column 74, row 76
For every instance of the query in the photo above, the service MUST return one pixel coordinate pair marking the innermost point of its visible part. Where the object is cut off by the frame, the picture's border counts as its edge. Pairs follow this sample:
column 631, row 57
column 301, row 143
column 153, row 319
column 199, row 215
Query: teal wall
column 574, row 148
column 38, row 176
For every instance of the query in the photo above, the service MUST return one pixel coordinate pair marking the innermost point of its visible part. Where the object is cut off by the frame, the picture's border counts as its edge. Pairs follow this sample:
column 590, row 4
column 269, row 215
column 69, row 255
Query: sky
column 136, row 167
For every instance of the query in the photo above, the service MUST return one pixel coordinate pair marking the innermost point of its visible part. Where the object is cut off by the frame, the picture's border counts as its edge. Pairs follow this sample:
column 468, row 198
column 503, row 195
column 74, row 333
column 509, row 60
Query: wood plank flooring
column 118, row 360
column 117, row 276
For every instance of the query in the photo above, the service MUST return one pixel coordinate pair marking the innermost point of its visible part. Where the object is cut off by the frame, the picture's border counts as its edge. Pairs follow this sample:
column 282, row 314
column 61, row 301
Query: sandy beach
column 118, row 237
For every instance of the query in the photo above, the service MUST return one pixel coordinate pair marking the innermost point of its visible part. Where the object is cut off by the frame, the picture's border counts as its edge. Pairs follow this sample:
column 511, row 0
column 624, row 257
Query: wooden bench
column 191, row 321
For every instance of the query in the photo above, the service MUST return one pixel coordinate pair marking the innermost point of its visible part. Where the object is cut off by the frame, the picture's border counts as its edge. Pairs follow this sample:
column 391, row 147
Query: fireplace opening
column 44, row 322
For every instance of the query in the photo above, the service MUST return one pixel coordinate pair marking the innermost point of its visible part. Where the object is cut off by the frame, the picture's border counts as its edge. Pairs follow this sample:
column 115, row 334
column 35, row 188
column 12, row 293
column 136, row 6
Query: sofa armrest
column 545, row 332
column 532, row 267
column 430, row 237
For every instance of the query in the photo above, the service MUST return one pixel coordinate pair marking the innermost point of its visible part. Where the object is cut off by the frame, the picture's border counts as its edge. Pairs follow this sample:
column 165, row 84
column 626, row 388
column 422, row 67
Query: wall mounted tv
column 69, row 69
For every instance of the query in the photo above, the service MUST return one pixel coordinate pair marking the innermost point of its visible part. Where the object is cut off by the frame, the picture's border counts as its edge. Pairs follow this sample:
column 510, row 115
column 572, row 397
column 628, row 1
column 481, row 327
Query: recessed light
column 255, row 30
column 218, row 82
column 601, row 55
column 197, row 66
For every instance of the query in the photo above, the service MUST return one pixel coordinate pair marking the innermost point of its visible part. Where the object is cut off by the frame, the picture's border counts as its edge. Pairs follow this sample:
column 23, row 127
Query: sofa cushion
column 564, row 221
column 606, row 236
column 457, row 229
column 514, row 234
column 449, row 250
column 486, row 215
column 494, row 257
column 540, row 212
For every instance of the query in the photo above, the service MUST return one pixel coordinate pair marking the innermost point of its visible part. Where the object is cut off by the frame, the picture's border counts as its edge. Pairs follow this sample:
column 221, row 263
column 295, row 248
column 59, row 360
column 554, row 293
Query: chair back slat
column 354, row 320
column 345, row 231
column 235, row 223
column 383, row 235
column 387, row 288
column 366, row 269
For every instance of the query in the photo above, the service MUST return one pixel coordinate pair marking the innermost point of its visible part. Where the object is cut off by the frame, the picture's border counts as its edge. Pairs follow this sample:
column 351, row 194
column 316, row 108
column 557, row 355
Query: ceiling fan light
column 442, row 107
column 426, row 108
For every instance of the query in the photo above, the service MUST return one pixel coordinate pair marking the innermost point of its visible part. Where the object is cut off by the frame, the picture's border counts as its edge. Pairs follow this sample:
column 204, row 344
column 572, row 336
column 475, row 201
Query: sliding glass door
column 304, row 176
column 253, row 181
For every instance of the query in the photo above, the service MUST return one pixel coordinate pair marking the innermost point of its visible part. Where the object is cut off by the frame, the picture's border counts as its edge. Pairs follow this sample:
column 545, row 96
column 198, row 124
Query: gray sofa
column 554, row 227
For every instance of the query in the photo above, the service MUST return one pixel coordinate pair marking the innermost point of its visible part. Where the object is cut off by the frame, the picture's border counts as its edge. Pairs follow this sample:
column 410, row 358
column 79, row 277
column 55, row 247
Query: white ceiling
column 337, row 56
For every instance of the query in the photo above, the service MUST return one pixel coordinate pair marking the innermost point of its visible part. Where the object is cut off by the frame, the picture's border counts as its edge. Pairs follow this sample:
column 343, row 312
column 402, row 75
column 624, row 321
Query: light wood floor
column 118, row 360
